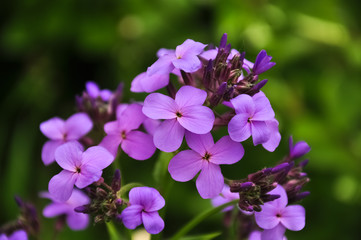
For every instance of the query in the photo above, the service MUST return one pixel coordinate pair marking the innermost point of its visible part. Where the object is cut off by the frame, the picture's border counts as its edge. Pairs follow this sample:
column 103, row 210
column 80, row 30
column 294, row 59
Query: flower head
column 79, row 168
column 17, row 235
column 205, row 156
column 225, row 196
column 60, row 132
column 185, row 112
column 145, row 202
column 75, row 220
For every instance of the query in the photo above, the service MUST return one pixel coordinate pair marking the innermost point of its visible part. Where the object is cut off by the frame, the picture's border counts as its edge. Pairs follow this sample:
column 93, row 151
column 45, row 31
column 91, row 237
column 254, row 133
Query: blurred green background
column 49, row 49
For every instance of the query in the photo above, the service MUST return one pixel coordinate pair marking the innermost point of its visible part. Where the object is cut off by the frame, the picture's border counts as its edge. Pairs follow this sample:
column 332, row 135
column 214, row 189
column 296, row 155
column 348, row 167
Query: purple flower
column 136, row 144
column 205, row 156
column 17, row 235
column 276, row 216
column 80, row 168
column 145, row 202
column 254, row 116
column 262, row 63
column 185, row 58
column 75, row 220
column 149, row 83
column 299, row 149
column 94, row 92
column 183, row 112
column 60, row 132
column 257, row 235
column 225, row 197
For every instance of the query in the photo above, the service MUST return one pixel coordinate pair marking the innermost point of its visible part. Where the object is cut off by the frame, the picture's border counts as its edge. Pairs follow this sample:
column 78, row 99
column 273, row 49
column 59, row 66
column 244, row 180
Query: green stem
column 113, row 233
column 198, row 219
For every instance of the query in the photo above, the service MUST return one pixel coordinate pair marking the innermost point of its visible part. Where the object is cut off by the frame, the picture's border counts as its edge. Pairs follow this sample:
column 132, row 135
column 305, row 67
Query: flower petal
column 138, row 145
column 53, row 128
column 197, row 119
column 92, row 89
column 226, row 151
column 263, row 108
column 239, row 128
column 260, row 132
column 244, row 104
column 85, row 178
column 77, row 126
column 300, row 149
column 210, row 181
column 151, row 125
column 77, row 221
column 187, row 63
column 148, row 197
column 61, row 185
column 169, row 135
column 188, row 96
column 281, row 202
column 162, row 66
column 189, row 48
column 159, row 106
column 48, row 151
column 18, row 235
column 267, row 218
column 131, row 118
column 293, row 217
column 153, row 223
column 136, row 85
column 56, row 209
column 96, row 159
column 275, row 136
column 69, row 155
column 276, row 233
column 131, row 216
column 154, row 82
column 185, row 165
column 200, row 143
column 111, row 143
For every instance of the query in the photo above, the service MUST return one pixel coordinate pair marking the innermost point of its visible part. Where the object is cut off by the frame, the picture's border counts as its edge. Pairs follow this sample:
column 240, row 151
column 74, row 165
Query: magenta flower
column 262, row 63
column 276, row 216
column 75, row 220
column 60, row 132
column 80, row 168
column 254, row 116
column 183, row 112
column 185, row 57
column 145, row 202
column 94, row 92
column 205, row 156
column 299, row 149
column 136, row 144
column 17, row 235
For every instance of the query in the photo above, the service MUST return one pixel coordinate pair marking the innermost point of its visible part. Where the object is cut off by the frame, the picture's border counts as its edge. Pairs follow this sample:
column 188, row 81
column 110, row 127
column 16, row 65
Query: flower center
column 278, row 215
column 206, row 156
column 178, row 114
column 123, row 134
column 77, row 169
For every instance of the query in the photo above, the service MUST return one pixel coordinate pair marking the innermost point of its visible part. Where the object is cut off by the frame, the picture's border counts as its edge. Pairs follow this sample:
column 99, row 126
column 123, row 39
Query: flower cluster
column 209, row 78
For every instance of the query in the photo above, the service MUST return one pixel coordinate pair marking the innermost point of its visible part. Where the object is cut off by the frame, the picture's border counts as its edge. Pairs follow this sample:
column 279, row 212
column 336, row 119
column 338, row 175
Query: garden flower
column 205, row 156
column 80, row 168
column 183, row 112
column 225, row 196
column 17, row 235
column 75, row 220
column 257, row 235
column 136, row 144
column 254, row 116
column 149, row 83
column 262, row 63
column 276, row 216
column 60, row 132
column 145, row 202
column 94, row 92
column 298, row 150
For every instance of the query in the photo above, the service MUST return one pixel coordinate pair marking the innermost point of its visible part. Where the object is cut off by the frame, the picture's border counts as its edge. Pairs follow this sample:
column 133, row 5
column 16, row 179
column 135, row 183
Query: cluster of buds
column 105, row 203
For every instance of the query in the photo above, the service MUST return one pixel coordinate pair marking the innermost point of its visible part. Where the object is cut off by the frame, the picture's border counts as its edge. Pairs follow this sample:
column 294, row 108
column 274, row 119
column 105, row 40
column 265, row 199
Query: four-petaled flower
column 276, row 216
column 145, row 202
column 183, row 112
column 136, row 144
column 205, row 156
column 75, row 220
column 60, row 132
column 80, row 168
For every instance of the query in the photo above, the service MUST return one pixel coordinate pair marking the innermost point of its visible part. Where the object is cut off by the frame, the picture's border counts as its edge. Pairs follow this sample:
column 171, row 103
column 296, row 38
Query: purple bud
column 256, row 88
column 116, row 181
column 262, row 63
column 223, row 42
column 280, row 167
column 303, row 163
column 301, row 195
column 19, row 201
column 303, row 174
column 82, row 209
column 270, row 197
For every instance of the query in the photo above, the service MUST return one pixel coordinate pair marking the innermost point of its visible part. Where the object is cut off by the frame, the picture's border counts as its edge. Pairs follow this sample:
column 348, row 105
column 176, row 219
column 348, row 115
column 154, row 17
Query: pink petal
column 154, row 82
column 87, row 177
column 111, row 143
column 92, row 89
column 120, row 109
column 77, row 126
column 132, row 216
column 159, row 106
column 151, row 125
column 18, row 235
column 152, row 222
column 267, row 218
column 131, row 118
column 112, row 128
column 162, row 66
column 188, row 96
column 200, row 143
column 138, row 145
column 53, row 128
column 210, row 181
column 275, row 136
column 293, row 217
column 169, row 135
column 48, row 151
column 189, row 47
column 239, row 128
column 263, row 108
column 148, row 197
column 164, row 51
column 136, row 85
column 260, row 132
column 188, row 64
column 96, row 159
column 185, row 165
column 106, row 94
column 55, row 209
column 61, row 185
column 276, row 233
column 243, row 104
column 279, row 203
column 209, row 54
column 197, row 119
column 77, row 221
column 226, row 151
column 69, row 155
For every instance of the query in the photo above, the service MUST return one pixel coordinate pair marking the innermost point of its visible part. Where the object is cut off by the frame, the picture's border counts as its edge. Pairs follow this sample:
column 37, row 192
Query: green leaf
column 113, row 233
column 208, row 236
column 126, row 188
column 161, row 167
